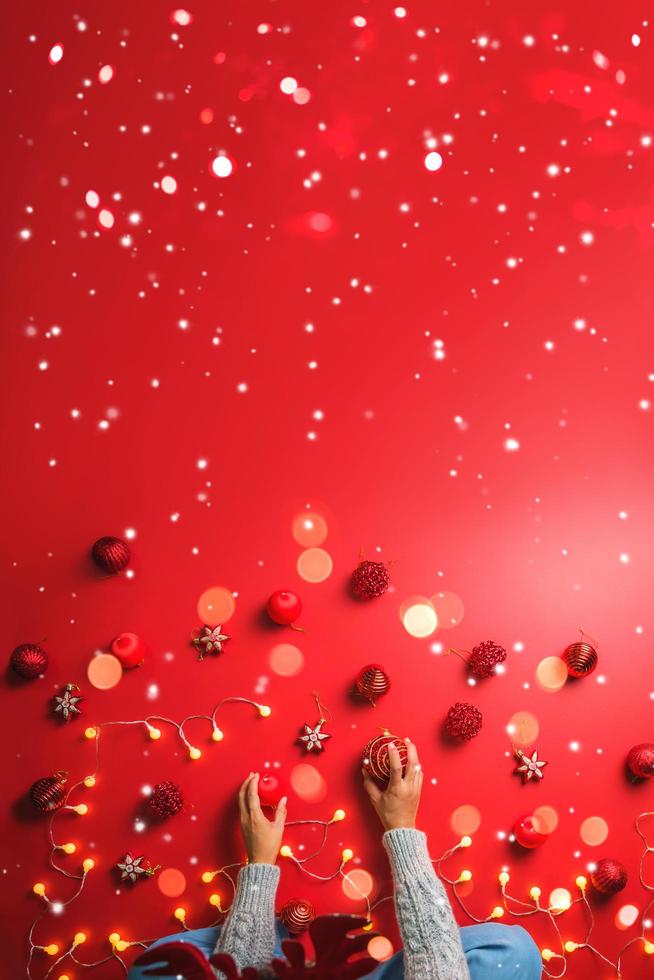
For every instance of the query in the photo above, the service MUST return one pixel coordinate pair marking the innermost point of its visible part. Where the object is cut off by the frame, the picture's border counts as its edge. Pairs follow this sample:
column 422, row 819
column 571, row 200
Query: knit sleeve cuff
column 257, row 887
column 407, row 852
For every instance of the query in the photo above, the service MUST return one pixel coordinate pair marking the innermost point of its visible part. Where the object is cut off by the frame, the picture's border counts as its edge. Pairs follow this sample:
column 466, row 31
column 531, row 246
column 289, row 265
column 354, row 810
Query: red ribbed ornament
column 166, row 799
column 640, row 760
column 580, row 658
column 29, row 661
column 111, row 554
column 297, row 915
column 372, row 683
column 609, row 876
column 375, row 756
column 48, row 794
column 370, row 579
column 463, row 720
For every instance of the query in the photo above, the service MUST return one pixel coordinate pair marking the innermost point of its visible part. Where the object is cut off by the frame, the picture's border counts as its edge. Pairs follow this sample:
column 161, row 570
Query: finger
column 395, row 765
column 412, row 762
column 242, row 801
column 370, row 786
column 254, row 804
column 280, row 813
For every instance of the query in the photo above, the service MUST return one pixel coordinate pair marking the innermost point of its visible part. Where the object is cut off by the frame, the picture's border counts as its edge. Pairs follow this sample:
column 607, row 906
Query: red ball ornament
column 271, row 789
column 29, row 661
column 463, row 721
column 297, row 915
column 111, row 554
column 485, row 657
column 640, row 760
column 527, row 834
column 166, row 799
column 129, row 649
column 580, row 658
column 373, row 682
column 48, row 794
column 375, row 756
column 284, row 607
column 370, row 579
column 609, row 876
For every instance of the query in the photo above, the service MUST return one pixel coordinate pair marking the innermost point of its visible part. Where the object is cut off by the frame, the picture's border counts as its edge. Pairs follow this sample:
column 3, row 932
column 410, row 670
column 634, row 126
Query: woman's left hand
column 262, row 837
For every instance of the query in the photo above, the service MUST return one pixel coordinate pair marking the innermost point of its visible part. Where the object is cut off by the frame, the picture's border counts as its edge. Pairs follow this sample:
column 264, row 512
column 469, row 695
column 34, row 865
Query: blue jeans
column 489, row 947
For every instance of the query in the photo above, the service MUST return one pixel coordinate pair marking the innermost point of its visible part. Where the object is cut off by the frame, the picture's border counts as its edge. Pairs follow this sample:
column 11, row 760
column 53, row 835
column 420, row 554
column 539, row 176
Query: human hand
column 397, row 805
column 262, row 837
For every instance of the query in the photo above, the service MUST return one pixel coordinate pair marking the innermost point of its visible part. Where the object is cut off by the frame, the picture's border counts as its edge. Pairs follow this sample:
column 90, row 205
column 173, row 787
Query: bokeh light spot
column 308, row 783
column 380, row 948
column 286, row 660
column 314, row 565
column 301, row 96
column 433, row 161
column 545, row 819
column 104, row 671
column 626, row 916
column 594, row 831
column 448, row 608
column 551, row 674
column 466, row 819
column 56, row 54
column 560, row 899
column 288, row 85
column 216, row 606
column 168, row 185
column 523, row 728
column 171, row 882
column 105, row 74
column 181, row 17
column 358, row 884
column 221, row 166
column 309, row 529
column 418, row 616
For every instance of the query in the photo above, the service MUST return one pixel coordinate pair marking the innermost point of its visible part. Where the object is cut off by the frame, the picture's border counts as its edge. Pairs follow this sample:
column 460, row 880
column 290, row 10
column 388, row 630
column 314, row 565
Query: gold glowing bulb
column 648, row 948
column 368, row 926
column 265, row 711
column 570, row 947
column 217, row 735
column 504, row 878
column 63, row 976
column 51, row 950
column 465, row 841
column 497, row 912
column 89, row 782
column 90, row 732
column 535, row 892
column 68, row 848
column 114, row 937
column 465, row 875
column 215, row 900
column 347, row 855
column 154, row 733
column 88, row 864
column 79, row 938
column 547, row 954
column 338, row 816
column 208, row 876
column 194, row 753
column 180, row 913
column 580, row 882
column 122, row 945
column 81, row 808
column 286, row 851
column 39, row 888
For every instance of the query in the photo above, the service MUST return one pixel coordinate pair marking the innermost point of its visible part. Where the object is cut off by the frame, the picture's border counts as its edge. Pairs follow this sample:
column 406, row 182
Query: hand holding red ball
column 397, row 805
column 262, row 837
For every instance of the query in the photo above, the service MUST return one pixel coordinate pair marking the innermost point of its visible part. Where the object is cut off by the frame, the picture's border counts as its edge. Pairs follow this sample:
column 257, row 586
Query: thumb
column 280, row 812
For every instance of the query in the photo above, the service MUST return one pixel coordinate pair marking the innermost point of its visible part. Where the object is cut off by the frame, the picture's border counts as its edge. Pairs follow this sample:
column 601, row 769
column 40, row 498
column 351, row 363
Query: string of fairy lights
column 555, row 962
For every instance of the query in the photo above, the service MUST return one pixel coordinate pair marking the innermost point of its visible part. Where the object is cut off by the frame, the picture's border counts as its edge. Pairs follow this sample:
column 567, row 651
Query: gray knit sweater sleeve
column 248, row 933
column 432, row 944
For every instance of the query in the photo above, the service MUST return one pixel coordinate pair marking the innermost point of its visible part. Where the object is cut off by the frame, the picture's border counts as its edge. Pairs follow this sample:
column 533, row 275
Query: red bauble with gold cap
column 375, row 756
column 48, row 794
column 580, row 658
column 297, row 915
column 372, row 682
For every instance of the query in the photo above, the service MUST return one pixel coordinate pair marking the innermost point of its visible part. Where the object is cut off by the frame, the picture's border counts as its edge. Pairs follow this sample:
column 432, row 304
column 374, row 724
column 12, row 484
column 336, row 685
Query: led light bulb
column 286, row 851
column 265, row 711
column 68, row 848
column 208, row 876
column 122, row 945
column 88, row 864
column 154, row 733
column 39, row 888
column 465, row 841
column 497, row 912
column 90, row 732
column 547, row 954
column 114, row 937
column 347, row 855
column 214, row 900
column 368, row 926
column 194, row 753
column 51, row 950
column 338, row 816
column 79, row 938
column 535, row 892
column 89, row 782
column 580, row 882
column 81, row 808
column 570, row 947
column 504, row 878
column 217, row 735
column 465, row 875
column 180, row 913
column 648, row 948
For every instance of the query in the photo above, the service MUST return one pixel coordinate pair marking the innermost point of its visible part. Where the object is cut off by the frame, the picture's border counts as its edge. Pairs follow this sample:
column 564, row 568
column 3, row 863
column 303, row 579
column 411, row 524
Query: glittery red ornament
column 370, row 579
column 463, row 721
column 48, row 794
column 29, row 661
column 640, row 760
column 166, row 799
column 129, row 649
column 372, row 682
column 580, row 658
column 297, row 915
column 609, row 876
column 527, row 834
column 375, row 756
column 284, row 607
column 485, row 657
column 111, row 554
column 271, row 789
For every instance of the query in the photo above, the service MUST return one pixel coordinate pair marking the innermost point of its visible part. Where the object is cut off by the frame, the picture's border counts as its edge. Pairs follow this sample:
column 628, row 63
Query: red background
column 531, row 540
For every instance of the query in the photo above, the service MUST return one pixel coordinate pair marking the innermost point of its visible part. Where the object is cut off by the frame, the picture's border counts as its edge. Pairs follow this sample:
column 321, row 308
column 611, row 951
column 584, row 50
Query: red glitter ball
column 463, row 720
column 370, row 579
column 167, row 799
column 297, row 915
column 373, row 682
column 111, row 554
column 485, row 657
column 284, row 607
column 640, row 760
column 48, row 794
column 29, row 660
column 609, row 876
column 375, row 756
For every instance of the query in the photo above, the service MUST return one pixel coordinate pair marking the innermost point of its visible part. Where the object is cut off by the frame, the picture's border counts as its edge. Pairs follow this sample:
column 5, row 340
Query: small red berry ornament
column 271, row 789
column 609, row 876
column 527, row 834
column 129, row 649
column 463, row 721
column 29, row 661
column 297, row 915
column 485, row 657
column 640, row 760
column 112, row 555
column 166, row 799
column 284, row 607
column 370, row 579
column 375, row 756
column 372, row 683
column 48, row 794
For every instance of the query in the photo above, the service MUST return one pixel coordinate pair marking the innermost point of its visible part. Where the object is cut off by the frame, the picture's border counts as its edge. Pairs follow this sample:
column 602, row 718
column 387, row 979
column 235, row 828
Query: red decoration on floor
column 640, row 760
column 609, row 876
column 271, row 789
column 284, row 607
column 48, row 794
column 463, row 720
column 373, row 682
column 135, row 869
column 526, row 833
column 129, row 649
column 297, row 915
column 580, row 659
column 485, row 657
column 210, row 639
column 29, row 661
column 166, row 799
column 110, row 554
column 375, row 756
column 370, row 579
column 66, row 704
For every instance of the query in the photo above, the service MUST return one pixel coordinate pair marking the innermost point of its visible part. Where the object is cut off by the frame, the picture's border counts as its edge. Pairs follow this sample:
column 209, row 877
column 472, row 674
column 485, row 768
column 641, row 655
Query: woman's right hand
column 262, row 837
column 397, row 805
